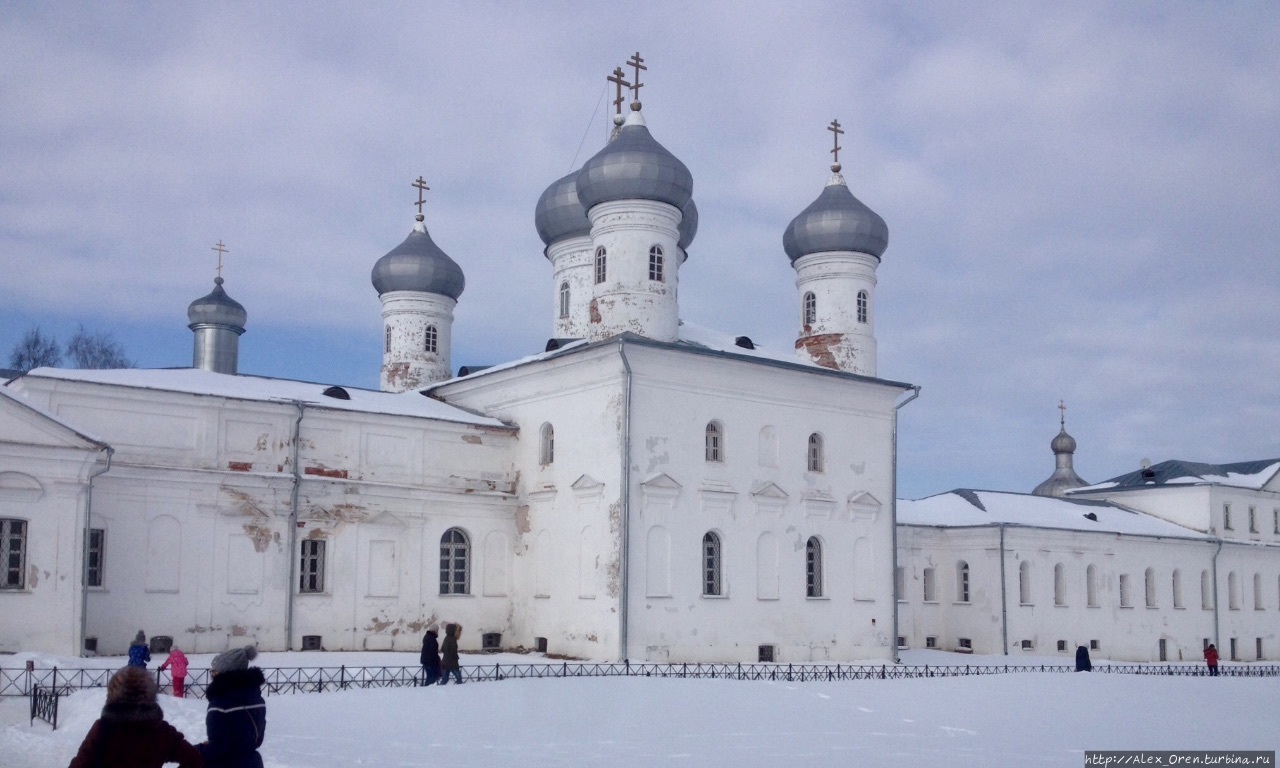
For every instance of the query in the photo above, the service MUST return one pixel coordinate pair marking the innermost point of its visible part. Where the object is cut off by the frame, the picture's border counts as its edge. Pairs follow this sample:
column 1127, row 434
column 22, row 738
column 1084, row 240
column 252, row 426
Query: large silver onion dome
column 836, row 221
column 559, row 214
column 418, row 264
column 688, row 224
column 217, row 309
column 634, row 166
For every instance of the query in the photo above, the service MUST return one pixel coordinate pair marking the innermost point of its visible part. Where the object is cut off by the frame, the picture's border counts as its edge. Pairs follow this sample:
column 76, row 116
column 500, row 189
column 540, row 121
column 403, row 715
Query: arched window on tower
column 655, row 263
column 817, row 459
column 386, row 340
column 601, row 268
column 962, row 582
column 564, row 300
column 547, row 445
column 431, row 341
column 455, row 563
column 715, row 441
column 863, row 300
column 711, row 564
column 809, row 309
column 813, row 567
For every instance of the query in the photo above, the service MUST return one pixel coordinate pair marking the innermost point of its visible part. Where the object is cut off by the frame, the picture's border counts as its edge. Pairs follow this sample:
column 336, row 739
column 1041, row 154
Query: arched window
column 1206, row 591
column 1024, row 583
column 711, row 564
column 813, row 567
column 564, row 299
column 1059, row 584
column 862, row 306
column 715, row 441
column 1257, row 592
column 1150, row 584
column 809, row 309
column 386, row 342
column 455, row 563
column 930, row 585
column 1091, row 585
column 962, row 582
column 1126, row 595
column 601, row 270
column 430, row 343
column 1177, row 588
column 1233, row 591
column 547, row 445
column 817, row 459
column 655, row 263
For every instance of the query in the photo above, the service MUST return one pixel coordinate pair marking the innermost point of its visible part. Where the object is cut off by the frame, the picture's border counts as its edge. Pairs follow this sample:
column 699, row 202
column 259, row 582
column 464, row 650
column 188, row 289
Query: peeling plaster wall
column 628, row 301
column 837, row 339
column 407, row 365
column 571, row 259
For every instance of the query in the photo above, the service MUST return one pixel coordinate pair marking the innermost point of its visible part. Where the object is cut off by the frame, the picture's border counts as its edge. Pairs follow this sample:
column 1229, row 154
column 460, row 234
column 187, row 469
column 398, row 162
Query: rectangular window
column 1258, row 647
column 13, row 553
column 965, row 644
column 655, row 264
column 1235, row 650
column 94, row 552
column 930, row 586
column 1226, row 517
column 931, row 642
column 1253, row 519
column 1275, row 520
column 1062, row 645
column 312, row 570
column 1093, row 645
column 1126, row 600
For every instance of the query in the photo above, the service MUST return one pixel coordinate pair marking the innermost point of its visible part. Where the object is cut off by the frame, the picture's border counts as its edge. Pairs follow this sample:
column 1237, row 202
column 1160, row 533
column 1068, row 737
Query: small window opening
column 311, row 643
column 161, row 643
column 540, row 644
column 601, row 265
column 809, row 309
column 766, row 653
column 931, row 642
column 337, row 393
column 491, row 641
column 655, row 263
column 430, row 340
column 862, row 306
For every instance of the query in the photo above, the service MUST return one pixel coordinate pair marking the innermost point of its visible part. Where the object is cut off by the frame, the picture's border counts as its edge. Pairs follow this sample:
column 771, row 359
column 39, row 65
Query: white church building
column 641, row 489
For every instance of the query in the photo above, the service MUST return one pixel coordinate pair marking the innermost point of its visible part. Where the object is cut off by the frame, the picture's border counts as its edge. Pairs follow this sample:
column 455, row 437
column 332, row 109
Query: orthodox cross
column 637, row 64
column 421, row 186
column 1062, row 414
column 619, row 83
column 221, row 249
column 836, row 130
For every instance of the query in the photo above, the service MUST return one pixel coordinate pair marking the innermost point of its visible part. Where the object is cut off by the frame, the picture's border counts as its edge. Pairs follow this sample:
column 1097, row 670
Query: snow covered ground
column 1030, row 719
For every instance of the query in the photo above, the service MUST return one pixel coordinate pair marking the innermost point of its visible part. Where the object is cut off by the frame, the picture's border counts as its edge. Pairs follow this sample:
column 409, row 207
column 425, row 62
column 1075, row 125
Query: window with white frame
column 962, row 582
column 1149, row 582
column 455, row 563
column 13, row 553
column 813, row 567
column 547, row 445
column 1177, row 588
column 601, row 265
column 564, row 300
column 930, row 585
column 311, row 570
column 715, row 441
column 430, row 340
column 655, row 264
column 1059, row 584
column 94, row 550
column 1024, row 583
column 817, row 460
column 863, row 301
column 809, row 309
column 1126, row 597
column 386, row 339
column 1091, row 585
column 711, row 564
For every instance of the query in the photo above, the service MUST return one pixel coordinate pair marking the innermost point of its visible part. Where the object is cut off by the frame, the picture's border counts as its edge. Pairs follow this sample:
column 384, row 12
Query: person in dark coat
column 237, row 719
column 449, row 654
column 1082, row 660
column 1211, row 659
column 430, row 657
column 132, row 731
column 139, row 653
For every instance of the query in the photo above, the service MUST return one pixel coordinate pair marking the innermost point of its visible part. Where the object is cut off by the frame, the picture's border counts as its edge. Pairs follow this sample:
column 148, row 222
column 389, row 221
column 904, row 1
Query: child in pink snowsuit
column 177, row 663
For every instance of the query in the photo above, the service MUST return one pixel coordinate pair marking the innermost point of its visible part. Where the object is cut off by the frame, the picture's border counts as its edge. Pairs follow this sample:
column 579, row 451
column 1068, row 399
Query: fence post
column 497, row 671
column 342, row 677
column 565, row 670
column 627, row 662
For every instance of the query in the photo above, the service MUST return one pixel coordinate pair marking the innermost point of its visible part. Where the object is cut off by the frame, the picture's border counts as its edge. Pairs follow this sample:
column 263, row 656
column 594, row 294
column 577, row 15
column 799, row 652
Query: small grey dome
column 634, row 166
column 688, row 224
column 1063, row 443
column 836, row 221
column 418, row 264
column 217, row 309
column 559, row 214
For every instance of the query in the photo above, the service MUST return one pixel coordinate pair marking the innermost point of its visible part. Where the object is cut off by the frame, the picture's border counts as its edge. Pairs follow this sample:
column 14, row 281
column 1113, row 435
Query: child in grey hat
column 237, row 717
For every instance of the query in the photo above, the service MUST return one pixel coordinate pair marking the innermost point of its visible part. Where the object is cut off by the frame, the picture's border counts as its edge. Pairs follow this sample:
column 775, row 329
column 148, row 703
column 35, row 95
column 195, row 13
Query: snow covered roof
column 242, row 387
column 1243, row 474
column 21, row 399
column 966, row 508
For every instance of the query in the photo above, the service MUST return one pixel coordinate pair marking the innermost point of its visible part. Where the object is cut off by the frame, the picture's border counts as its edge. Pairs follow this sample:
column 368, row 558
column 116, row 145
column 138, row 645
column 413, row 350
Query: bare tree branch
column 35, row 350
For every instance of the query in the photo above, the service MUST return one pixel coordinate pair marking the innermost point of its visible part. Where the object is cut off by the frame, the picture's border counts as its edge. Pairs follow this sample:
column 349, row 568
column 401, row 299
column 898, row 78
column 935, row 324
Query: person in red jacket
column 177, row 664
column 132, row 730
column 1211, row 659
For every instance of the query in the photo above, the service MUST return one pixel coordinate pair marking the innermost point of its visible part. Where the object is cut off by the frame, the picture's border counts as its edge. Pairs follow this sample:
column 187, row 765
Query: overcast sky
column 1082, row 198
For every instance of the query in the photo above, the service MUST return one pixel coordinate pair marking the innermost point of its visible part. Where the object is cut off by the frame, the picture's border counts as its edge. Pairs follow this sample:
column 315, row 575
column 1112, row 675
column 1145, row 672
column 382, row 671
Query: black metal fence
column 21, row 682
column 44, row 705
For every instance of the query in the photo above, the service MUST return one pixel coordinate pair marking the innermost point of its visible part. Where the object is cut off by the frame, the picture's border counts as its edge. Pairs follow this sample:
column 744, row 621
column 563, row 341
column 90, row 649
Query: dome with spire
column 217, row 309
column 418, row 264
column 836, row 221
column 1064, row 476
column 558, row 214
column 634, row 166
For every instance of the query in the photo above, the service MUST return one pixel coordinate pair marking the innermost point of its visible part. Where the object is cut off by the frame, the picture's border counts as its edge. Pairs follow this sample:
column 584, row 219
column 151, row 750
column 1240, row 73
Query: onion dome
column 1064, row 476
column 559, row 214
column 1063, row 443
column 688, row 224
column 836, row 221
column 634, row 166
column 217, row 309
column 418, row 264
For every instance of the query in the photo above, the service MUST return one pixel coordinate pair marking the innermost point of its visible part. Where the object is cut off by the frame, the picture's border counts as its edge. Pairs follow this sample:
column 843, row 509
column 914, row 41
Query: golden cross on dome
column 836, row 130
column 421, row 186
column 1062, row 414
column 619, row 83
column 637, row 64
column 221, row 249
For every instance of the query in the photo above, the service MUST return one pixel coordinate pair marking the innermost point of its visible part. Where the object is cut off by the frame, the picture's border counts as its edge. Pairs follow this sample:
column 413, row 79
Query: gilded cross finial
column 221, row 249
column 421, row 186
column 836, row 130
column 637, row 64
column 1062, row 414
column 619, row 83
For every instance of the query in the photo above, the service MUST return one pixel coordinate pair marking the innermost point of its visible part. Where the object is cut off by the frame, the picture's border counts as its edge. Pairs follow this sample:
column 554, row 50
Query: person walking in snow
column 237, row 718
column 430, row 657
column 132, row 730
column 1082, row 660
column 177, row 664
column 1211, row 659
column 449, row 654
column 139, row 653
